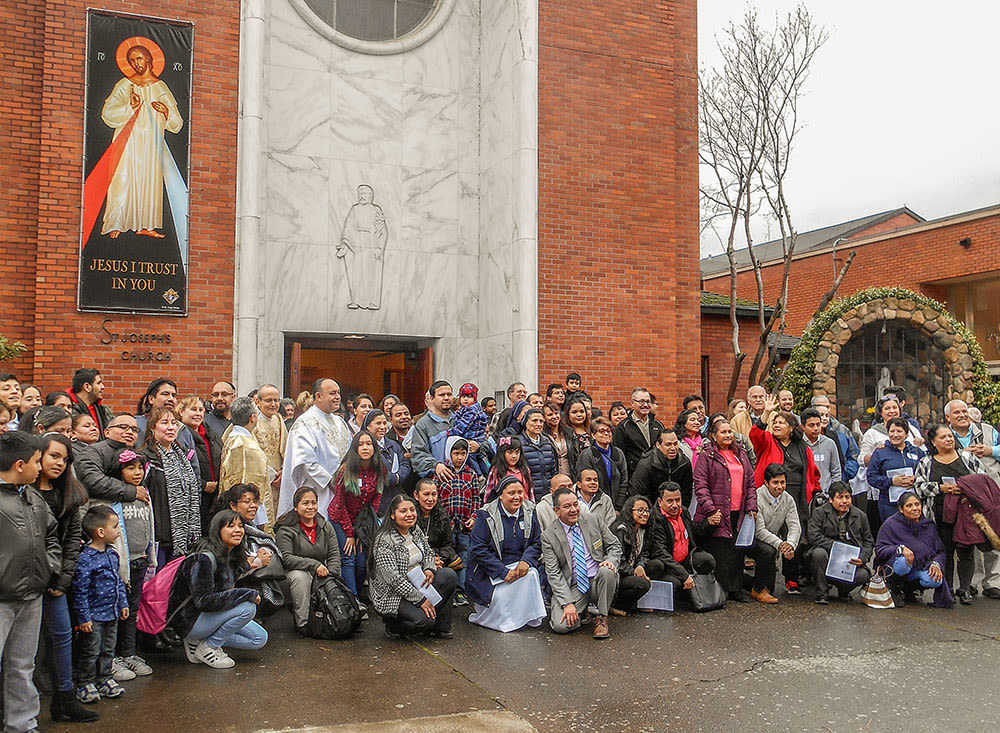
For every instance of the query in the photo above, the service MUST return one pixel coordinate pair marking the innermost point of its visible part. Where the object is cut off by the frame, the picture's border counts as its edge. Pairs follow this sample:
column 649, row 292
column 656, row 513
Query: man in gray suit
column 581, row 556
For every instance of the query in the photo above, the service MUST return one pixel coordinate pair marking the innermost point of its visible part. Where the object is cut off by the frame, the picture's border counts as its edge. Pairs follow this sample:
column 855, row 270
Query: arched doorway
column 891, row 354
column 892, row 341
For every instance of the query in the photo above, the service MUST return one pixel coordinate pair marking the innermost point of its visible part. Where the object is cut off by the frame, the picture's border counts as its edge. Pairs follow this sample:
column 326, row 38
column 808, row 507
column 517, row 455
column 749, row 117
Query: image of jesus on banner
column 132, row 174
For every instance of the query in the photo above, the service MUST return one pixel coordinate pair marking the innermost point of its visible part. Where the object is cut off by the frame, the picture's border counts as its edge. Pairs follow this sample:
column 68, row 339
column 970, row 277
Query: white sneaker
column 138, row 665
column 120, row 671
column 214, row 658
column 189, row 648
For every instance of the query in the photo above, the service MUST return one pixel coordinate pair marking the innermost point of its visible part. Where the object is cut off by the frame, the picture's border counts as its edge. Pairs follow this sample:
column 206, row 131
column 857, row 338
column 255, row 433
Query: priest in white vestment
column 317, row 443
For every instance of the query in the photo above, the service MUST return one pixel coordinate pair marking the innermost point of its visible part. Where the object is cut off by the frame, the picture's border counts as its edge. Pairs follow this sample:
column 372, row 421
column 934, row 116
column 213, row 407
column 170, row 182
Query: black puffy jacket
column 542, row 462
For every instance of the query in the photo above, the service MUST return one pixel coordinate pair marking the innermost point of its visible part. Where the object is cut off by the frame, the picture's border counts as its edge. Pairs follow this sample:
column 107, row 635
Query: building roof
column 805, row 242
column 719, row 304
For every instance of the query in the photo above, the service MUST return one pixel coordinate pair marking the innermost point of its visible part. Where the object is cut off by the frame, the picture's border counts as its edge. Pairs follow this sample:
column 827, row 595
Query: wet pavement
column 794, row 666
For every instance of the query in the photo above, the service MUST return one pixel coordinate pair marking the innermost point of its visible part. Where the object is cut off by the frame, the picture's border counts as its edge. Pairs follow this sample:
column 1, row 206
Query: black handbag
column 274, row 570
column 365, row 525
column 706, row 594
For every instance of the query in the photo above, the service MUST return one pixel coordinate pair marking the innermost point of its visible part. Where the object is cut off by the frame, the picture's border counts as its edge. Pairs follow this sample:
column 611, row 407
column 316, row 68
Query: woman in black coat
column 205, row 608
column 602, row 454
column 433, row 520
column 631, row 529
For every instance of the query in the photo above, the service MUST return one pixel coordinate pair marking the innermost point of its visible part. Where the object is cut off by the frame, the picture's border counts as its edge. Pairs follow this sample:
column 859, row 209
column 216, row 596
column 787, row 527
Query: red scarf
column 208, row 450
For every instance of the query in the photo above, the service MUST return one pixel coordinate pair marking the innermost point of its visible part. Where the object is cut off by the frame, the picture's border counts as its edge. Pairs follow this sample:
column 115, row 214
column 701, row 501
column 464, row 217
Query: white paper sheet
column 747, row 529
column 416, row 576
column 839, row 567
column 660, row 596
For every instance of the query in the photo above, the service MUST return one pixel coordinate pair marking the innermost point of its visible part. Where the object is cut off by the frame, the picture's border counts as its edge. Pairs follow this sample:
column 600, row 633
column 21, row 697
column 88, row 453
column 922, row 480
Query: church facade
column 386, row 190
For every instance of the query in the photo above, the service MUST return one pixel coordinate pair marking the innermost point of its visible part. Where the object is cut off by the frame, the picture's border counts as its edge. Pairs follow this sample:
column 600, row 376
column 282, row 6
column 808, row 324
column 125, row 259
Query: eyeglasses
column 126, row 428
column 249, row 502
column 605, row 431
column 641, row 512
column 642, row 402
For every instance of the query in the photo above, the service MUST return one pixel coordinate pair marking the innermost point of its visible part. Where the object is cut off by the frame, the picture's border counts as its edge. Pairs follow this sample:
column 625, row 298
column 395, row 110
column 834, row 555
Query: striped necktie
column 579, row 561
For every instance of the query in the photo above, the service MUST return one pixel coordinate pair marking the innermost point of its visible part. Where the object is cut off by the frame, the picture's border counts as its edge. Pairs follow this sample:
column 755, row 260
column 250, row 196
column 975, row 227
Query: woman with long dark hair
column 558, row 436
column 688, row 430
column 399, row 547
column 576, row 421
column 47, row 419
column 631, row 527
column 357, row 491
column 205, row 607
column 508, row 461
column 64, row 495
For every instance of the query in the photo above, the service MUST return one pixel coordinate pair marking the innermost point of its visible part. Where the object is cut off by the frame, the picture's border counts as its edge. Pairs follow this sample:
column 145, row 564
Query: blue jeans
column 97, row 651
column 234, row 628
column 352, row 567
column 462, row 541
column 904, row 571
column 59, row 628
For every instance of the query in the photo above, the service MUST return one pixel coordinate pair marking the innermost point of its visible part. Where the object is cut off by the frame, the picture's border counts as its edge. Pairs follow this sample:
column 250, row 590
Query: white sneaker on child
column 138, row 665
column 120, row 670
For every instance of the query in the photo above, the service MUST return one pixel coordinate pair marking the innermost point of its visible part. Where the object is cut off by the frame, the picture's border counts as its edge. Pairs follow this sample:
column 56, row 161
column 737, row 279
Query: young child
column 508, row 460
column 574, row 387
column 469, row 422
column 460, row 498
column 138, row 519
column 99, row 602
column 30, row 555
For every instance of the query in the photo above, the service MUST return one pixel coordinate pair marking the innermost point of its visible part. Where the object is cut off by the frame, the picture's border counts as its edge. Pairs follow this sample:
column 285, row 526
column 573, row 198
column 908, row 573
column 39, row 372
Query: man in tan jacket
column 243, row 461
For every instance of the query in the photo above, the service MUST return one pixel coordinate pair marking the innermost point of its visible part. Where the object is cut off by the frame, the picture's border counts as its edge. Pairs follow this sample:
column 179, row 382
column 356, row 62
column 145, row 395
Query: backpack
column 152, row 616
column 333, row 610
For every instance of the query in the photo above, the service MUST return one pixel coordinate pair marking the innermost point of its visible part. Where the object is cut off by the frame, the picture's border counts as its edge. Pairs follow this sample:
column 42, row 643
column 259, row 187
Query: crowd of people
column 548, row 511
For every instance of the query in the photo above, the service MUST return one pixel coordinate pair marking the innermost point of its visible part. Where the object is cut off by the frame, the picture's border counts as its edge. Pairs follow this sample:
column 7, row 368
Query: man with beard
column 218, row 418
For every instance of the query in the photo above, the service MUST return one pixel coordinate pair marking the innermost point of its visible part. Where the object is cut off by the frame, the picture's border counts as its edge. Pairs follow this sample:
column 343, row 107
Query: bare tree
column 747, row 128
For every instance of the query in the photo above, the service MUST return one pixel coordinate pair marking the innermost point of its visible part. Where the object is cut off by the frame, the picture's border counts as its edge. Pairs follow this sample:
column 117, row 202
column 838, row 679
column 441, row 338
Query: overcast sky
column 902, row 108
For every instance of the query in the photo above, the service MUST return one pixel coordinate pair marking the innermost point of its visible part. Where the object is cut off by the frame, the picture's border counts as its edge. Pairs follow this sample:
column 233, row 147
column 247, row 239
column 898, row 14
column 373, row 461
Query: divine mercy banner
column 134, row 235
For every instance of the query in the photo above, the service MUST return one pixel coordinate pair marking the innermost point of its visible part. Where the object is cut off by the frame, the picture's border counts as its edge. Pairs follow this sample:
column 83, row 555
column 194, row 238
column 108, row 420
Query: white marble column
column 248, row 232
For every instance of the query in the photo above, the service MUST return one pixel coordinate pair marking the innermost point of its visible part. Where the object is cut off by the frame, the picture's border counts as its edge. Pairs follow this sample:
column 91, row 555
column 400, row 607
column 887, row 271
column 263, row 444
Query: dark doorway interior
column 374, row 365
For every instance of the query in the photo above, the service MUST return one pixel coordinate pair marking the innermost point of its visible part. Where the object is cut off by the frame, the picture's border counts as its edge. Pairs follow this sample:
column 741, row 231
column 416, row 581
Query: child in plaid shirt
column 460, row 498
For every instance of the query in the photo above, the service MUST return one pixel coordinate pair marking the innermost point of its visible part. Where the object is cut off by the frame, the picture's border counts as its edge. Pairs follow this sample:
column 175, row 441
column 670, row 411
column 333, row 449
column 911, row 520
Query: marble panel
column 467, row 113
column 498, row 37
column 470, row 8
column 468, row 213
column 292, row 43
column 497, row 291
column 496, row 206
column 299, row 290
column 365, row 119
column 527, row 29
column 270, row 359
column 298, row 115
column 429, row 128
column 297, row 200
column 345, row 62
column 496, row 365
column 496, row 123
column 457, row 360
column 430, row 210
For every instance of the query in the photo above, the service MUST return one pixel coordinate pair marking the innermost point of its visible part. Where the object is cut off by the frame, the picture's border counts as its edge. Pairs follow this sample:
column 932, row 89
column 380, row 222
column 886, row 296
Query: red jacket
column 768, row 451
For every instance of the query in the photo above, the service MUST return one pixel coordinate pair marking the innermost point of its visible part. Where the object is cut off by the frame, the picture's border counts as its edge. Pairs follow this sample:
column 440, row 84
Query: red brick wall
column 20, row 123
column 47, row 109
column 618, row 292
column 913, row 260
column 716, row 344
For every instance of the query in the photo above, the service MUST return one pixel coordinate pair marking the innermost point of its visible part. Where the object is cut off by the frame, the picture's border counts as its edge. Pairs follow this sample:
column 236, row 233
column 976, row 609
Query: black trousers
column 412, row 619
column 966, row 558
column 728, row 558
column 765, row 558
column 630, row 589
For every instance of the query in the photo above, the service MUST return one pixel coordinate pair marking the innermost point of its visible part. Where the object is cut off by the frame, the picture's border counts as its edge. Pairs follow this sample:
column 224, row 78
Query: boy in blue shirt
column 99, row 601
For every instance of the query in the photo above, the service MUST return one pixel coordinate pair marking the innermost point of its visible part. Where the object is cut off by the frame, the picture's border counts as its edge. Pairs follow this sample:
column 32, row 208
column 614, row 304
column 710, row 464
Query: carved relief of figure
column 362, row 248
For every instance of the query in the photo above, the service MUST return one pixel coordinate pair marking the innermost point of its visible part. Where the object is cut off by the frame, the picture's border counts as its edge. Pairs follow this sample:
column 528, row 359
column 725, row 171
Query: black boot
column 65, row 706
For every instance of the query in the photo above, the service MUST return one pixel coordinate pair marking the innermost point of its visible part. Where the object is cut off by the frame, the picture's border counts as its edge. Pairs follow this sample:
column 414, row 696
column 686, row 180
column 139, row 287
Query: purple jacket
column 920, row 536
column 713, row 492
